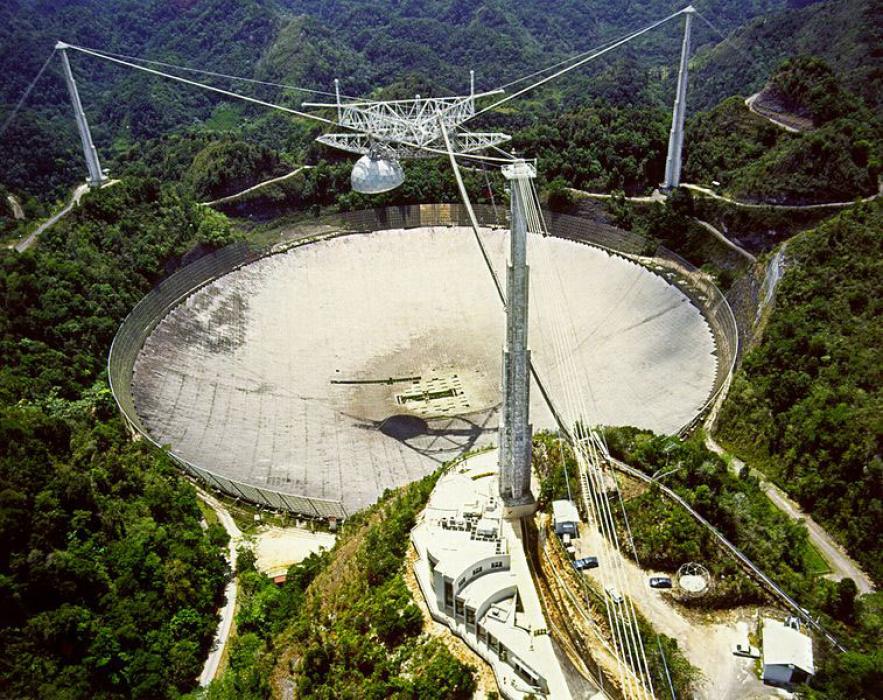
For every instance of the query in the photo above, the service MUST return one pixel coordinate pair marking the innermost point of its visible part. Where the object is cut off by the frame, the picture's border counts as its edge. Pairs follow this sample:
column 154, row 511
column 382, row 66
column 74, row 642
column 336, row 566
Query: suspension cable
column 579, row 63
column 25, row 96
column 271, row 105
column 211, row 88
column 217, row 75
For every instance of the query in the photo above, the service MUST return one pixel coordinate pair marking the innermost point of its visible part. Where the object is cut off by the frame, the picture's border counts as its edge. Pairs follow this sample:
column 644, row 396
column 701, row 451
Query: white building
column 565, row 518
column 474, row 576
column 787, row 654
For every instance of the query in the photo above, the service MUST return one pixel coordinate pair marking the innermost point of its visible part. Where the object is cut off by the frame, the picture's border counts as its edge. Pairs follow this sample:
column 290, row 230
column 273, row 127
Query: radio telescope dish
column 375, row 175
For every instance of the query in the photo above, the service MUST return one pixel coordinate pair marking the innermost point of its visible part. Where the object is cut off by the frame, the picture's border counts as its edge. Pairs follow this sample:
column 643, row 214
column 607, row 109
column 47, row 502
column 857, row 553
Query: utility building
column 787, row 654
column 565, row 518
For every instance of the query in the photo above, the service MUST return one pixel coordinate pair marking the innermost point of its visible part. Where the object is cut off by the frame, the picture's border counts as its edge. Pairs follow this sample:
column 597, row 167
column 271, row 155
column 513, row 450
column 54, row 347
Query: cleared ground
column 344, row 367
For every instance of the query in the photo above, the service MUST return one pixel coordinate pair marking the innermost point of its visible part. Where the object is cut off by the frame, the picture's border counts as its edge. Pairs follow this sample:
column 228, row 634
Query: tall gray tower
column 93, row 165
column 515, row 428
column 676, row 137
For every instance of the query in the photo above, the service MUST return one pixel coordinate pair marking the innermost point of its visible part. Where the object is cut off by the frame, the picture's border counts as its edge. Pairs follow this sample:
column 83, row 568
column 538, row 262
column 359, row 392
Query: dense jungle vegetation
column 805, row 407
column 406, row 49
column 108, row 583
column 344, row 624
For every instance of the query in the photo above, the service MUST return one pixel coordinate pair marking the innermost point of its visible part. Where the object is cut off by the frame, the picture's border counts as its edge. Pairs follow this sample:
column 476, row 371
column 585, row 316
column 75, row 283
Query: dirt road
column 32, row 237
column 210, row 669
column 841, row 564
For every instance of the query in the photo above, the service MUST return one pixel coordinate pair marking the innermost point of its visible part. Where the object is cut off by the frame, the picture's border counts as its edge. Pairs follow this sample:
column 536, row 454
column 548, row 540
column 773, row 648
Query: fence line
column 148, row 313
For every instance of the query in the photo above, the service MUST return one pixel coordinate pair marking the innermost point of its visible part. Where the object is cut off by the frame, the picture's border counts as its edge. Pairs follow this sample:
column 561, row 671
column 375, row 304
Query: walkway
column 258, row 186
column 228, row 611
column 726, row 241
column 657, row 196
column 841, row 564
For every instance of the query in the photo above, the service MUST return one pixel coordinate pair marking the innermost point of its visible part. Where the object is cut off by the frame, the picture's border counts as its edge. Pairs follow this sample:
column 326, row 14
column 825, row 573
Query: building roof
column 564, row 512
column 785, row 646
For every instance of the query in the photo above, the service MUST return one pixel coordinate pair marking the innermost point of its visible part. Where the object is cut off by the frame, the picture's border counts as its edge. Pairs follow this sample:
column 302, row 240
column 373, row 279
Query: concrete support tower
column 676, row 137
column 515, row 428
column 96, row 174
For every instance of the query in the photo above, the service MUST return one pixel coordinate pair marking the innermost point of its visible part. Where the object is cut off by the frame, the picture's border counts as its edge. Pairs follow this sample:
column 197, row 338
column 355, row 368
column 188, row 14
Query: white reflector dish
column 372, row 176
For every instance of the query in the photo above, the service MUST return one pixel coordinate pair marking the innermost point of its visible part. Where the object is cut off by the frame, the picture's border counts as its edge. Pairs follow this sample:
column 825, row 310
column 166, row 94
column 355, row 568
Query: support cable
column 592, row 56
column 211, row 88
column 24, row 97
column 619, row 634
column 584, row 446
column 562, row 62
column 216, row 74
column 271, row 105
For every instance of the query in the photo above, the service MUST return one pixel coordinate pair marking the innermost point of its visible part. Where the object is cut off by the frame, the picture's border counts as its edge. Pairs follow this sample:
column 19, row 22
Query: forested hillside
column 344, row 624
column 806, row 405
column 402, row 48
column 839, row 159
column 846, row 34
column 108, row 583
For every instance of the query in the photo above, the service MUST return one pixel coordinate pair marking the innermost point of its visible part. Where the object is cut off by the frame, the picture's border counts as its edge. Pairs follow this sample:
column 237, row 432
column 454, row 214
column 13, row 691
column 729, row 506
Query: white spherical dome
column 372, row 176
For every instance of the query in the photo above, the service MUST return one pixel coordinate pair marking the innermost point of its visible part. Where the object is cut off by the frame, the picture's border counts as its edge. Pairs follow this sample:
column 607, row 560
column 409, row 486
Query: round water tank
column 373, row 176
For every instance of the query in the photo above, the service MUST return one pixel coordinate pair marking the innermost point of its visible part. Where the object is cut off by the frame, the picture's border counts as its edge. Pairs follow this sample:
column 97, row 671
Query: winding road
column 32, row 237
column 222, row 635
column 754, row 205
column 842, row 566
column 231, row 197
column 749, row 102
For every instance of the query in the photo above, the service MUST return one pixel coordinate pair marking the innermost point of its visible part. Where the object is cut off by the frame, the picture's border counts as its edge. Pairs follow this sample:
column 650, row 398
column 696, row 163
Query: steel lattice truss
column 408, row 128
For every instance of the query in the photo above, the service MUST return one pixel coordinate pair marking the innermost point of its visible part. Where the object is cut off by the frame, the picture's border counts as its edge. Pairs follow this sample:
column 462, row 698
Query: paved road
column 27, row 242
column 749, row 102
column 258, row 186
column 752, row 205
column 841, row 564
column 726, row 241
column 227, row 612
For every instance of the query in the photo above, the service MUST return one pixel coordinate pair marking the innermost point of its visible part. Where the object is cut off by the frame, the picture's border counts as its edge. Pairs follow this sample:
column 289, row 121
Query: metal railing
column 148, row 313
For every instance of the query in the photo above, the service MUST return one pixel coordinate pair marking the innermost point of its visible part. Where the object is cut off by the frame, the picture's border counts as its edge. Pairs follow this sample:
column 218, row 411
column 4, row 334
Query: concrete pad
column 278, row 548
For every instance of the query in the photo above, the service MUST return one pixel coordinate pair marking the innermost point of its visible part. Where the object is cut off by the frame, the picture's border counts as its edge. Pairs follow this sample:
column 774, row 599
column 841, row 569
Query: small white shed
column 787, row 654
column 565, row 518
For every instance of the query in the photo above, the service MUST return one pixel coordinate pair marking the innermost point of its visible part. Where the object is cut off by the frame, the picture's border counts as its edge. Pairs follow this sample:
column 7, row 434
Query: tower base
column 515, row 510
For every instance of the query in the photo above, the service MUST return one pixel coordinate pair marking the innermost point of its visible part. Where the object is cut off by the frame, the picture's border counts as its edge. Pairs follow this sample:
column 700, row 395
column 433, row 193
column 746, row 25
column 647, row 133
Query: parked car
column 660, row 582
column 585, row 563
column 742, row 649
column 613, row 594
